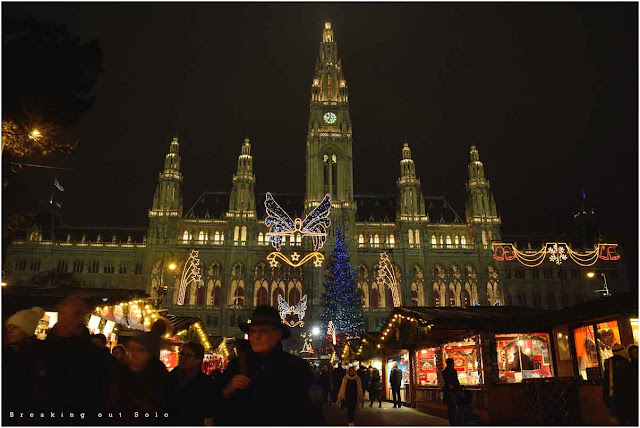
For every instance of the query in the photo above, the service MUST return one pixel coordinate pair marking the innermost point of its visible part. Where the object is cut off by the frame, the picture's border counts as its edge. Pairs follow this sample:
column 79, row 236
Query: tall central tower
column 329, row 138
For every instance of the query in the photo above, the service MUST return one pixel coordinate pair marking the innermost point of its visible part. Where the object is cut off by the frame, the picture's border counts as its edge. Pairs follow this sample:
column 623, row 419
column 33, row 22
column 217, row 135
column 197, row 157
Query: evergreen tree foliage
column 341, row 300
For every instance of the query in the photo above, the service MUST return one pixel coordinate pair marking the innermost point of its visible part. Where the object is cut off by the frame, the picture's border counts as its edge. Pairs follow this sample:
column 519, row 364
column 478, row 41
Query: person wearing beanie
column 20, row 357
column 144, row 384
column 617, row 386
column 266, row 385
column 23, row 324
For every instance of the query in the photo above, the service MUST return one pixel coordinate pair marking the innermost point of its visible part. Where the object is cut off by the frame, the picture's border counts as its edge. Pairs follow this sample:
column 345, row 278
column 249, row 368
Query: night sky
column 547, row 92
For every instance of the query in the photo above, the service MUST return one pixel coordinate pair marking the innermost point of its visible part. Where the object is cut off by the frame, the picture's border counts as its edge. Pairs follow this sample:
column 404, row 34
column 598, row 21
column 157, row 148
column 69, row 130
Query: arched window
column 298, row 239
column 463, row 240
column 243, row 235
column 216, row 238
column 238, row 296
column 376, row 241
column 262, row 297
column 185, row 237
column 418, row 238
column 392, row 241
column 373, row 298
column 201, row 237
column 434, row 241
column 260, row 239
column 452, row 298
column 200, row 296
column 236, row 235
column 371, row 240
column 217, row 295
column 448, row 241
column 484, row 237
column 456, row 240
column 466, row 299
column 410, row 238
column 441, row 241
column 360, row 241
column 292, row 240
column 276, row 292
column 389, row 298
column 294, row 296
column 414, row 297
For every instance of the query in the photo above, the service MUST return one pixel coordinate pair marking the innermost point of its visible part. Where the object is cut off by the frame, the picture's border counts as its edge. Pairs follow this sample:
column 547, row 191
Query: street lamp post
column 591, row 275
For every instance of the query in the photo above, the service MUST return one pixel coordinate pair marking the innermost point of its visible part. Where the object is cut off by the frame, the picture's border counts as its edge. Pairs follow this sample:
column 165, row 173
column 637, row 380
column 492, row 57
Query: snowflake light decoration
column 191, row 273
column 556, row 253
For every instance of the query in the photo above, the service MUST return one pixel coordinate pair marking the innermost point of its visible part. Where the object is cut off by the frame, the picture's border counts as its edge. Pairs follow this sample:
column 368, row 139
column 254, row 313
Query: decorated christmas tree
column 341, row 300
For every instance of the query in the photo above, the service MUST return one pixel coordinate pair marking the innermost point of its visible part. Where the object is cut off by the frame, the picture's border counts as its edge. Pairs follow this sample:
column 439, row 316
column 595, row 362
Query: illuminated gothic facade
column 440, row 258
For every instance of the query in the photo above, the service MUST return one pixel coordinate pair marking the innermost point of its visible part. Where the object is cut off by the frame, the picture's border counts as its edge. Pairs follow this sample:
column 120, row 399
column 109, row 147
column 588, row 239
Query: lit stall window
column 523, row 356
column 467, row 360
column 427, row 368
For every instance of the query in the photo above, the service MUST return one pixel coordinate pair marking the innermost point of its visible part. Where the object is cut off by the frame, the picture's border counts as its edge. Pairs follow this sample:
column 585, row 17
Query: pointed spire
column 407, row 166
column 476, row 168
column 329, row 83
column 245, row 160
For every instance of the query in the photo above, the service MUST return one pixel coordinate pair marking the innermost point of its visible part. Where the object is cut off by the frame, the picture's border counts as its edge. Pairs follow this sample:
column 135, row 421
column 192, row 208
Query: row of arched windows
column 376, row 241
column 445, row 241
column 294, row 241
column 203, row 238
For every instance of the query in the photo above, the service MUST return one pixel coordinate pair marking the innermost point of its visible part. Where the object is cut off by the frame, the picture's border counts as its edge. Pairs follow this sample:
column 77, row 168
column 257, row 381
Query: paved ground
column 387, row 415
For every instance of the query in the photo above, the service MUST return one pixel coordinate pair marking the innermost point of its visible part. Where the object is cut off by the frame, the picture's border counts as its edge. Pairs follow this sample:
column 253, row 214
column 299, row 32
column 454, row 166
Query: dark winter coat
column 395, row 378
column 191, row 397
column 364, row 378
column 338, row 375
column 279, row 393
column 451, row 383
column 623, row 384
column 19, row 375
column 71, row 373
column 147, row 391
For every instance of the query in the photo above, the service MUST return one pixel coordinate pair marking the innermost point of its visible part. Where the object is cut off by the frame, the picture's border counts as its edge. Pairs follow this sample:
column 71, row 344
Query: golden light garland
column 397, row 318
column 557, row 252
column 273, row 257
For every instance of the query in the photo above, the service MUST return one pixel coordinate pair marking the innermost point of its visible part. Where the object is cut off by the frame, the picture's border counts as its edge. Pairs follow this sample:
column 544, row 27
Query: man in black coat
column 451, row 387
column 191, row 389
column 363, row 374
column 395, row 380
column 266, row 385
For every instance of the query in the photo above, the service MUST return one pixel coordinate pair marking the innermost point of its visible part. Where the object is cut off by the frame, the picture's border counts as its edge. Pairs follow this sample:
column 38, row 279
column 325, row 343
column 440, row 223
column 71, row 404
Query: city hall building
column 440, row 258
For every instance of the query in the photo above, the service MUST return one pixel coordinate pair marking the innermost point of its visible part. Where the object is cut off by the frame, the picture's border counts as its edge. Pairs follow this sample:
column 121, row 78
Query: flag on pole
column 58, row 185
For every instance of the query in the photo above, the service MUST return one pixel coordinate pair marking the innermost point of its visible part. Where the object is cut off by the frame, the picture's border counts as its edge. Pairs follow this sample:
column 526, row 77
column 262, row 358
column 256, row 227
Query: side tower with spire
column 480, row 209
column 242, row 201
column 330, row 138
column 410, row 205
column 167, row 200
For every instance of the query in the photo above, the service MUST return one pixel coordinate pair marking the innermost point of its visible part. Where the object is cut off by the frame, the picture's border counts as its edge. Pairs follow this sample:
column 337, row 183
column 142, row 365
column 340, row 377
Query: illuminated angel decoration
column 298, row 309
column 280, row 224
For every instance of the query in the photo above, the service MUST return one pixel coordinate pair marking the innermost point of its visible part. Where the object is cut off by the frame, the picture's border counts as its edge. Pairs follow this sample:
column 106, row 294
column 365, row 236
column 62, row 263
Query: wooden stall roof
column 605, row 306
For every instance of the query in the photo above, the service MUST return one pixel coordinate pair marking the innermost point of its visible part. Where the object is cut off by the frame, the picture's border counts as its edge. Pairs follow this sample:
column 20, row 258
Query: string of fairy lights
column 398, row 318
column 557, row 252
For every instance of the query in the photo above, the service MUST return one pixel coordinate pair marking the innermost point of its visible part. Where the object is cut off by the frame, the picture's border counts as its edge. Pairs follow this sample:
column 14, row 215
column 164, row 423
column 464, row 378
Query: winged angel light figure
column 298, row 309
column 280, row 224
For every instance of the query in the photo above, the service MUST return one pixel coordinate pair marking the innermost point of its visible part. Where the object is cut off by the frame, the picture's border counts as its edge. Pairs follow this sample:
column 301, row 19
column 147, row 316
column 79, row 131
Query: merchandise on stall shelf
column 523, row 356
column 593, row 342
column 427, row 367
column 467, row 360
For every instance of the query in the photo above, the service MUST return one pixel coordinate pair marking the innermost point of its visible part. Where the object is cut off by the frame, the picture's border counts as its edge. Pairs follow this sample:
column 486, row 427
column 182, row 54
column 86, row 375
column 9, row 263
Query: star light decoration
column 191, row 273
column 298, row 309
column 387, row 276
column 281, row 225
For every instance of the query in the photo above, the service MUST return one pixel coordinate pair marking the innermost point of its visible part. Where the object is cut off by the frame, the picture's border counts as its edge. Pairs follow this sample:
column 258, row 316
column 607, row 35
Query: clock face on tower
column 330, row 117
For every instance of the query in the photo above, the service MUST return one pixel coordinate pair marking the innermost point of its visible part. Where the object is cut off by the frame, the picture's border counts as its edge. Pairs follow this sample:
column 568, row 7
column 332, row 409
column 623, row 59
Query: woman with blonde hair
column 351, row 395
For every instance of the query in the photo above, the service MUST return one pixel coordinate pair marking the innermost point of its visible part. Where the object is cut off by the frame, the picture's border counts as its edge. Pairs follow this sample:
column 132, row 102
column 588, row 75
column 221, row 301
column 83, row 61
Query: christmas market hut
column 493, row 348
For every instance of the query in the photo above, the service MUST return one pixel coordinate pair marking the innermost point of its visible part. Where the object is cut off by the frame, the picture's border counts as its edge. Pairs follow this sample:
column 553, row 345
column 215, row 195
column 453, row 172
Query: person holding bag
column 351, row 394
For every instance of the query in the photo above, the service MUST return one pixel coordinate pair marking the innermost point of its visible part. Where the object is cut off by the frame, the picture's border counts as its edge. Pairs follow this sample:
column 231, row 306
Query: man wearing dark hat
column 266, row 385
